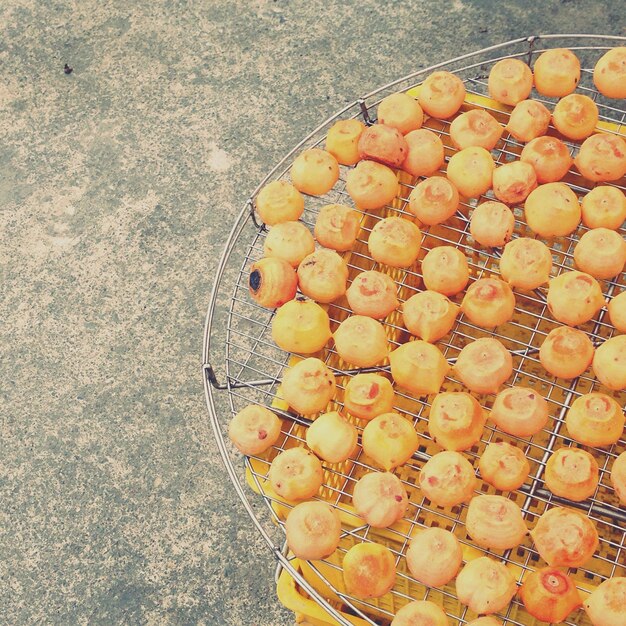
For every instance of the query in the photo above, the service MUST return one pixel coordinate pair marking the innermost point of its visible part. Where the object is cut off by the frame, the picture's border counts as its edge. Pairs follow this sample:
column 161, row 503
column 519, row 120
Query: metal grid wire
column 255, row 366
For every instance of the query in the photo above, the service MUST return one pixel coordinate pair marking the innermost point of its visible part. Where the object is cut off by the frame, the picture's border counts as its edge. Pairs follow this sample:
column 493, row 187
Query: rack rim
column 211, row 380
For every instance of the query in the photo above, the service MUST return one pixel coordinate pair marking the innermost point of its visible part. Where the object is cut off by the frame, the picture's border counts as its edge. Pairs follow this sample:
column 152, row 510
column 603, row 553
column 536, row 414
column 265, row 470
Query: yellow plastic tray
column 528, row 325
column 306, row 610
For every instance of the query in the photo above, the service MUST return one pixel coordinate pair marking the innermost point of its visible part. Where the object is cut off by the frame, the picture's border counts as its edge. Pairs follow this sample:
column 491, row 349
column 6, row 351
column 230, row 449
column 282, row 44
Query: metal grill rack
column 254, row 365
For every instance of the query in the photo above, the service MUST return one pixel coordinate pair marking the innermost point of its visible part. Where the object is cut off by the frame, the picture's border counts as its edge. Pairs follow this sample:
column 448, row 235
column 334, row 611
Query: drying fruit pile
column 369, row 420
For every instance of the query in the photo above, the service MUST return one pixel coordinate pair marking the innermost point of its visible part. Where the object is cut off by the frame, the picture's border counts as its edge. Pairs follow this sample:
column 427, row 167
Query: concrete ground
column 118, row 184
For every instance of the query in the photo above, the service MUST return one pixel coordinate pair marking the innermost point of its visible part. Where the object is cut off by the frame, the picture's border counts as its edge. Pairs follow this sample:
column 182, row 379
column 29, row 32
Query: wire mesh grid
column 255, row 365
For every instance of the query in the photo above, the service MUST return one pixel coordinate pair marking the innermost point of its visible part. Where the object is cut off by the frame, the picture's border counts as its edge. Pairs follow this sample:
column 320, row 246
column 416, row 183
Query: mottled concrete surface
column 118, row 183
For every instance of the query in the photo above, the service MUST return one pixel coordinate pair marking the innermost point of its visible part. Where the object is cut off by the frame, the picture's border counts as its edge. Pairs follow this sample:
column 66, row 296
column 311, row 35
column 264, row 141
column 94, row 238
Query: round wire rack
column 238, row 334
